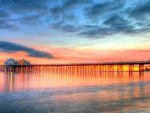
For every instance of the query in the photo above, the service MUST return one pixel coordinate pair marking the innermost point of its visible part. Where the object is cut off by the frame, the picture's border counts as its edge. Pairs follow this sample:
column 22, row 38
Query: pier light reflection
column 55, row 79
column 78, row 87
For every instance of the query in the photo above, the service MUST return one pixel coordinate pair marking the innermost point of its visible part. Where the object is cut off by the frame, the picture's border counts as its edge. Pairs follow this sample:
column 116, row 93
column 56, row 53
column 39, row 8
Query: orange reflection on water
column 81, row 91
column 96, row 90
column 2, row 82
column 41, row 80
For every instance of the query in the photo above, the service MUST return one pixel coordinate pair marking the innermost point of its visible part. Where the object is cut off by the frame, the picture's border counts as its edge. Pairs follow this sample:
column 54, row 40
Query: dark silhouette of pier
column 82, row 67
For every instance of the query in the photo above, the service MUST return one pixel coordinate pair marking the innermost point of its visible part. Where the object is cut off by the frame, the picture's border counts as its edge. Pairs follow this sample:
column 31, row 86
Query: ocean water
column 69, row 92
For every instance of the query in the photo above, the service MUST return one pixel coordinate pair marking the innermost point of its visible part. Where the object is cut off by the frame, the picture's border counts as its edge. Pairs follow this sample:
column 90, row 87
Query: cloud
column 30, row 19
column 94, row 31
column 117, row 23
column 20, row 6
column 3, row 14
column 10, row 47
column 92, row 12
column 140, row 10
column 66, row 11
column 5, row 25
column 98, row 9
column 109, row 18
column 26, row 12
column 67, row 5
column 85, row 18
column 112, row 25
column 65, row 27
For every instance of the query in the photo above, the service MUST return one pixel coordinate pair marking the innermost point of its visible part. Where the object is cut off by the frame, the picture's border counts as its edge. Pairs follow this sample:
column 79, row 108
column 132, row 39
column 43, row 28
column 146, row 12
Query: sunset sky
column 74, row 31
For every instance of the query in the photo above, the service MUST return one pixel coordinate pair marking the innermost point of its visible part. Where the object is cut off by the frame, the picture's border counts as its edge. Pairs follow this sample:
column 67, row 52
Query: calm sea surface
column 45, row 92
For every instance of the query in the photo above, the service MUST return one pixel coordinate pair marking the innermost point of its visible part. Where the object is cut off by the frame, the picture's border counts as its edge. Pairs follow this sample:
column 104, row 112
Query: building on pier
column 12, row 61
column 23, row 62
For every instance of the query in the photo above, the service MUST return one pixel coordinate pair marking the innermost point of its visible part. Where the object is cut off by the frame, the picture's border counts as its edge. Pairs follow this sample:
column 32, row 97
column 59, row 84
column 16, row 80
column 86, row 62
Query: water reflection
column 38, row 80
column 48, row 92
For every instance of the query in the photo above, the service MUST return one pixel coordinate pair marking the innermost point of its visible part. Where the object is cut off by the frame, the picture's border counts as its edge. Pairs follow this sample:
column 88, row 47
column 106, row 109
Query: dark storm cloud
column 3, row 14
column 116, row 19
column 140, row 11
column 99, row 9
column 10, row 47
column 68, row 23
column 26, row 12
column 19, row 6
column 94, row 31
column 67, row 5
column 117, row 23
column 31, row 20
column 5, row 25
column 112, row 25
column 65, row 27
column 87, row 18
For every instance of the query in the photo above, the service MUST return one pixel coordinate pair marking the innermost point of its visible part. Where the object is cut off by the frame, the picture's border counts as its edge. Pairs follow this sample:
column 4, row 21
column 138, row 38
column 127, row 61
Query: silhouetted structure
column 23, row 62
column 12, row 62
column 78, row 67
